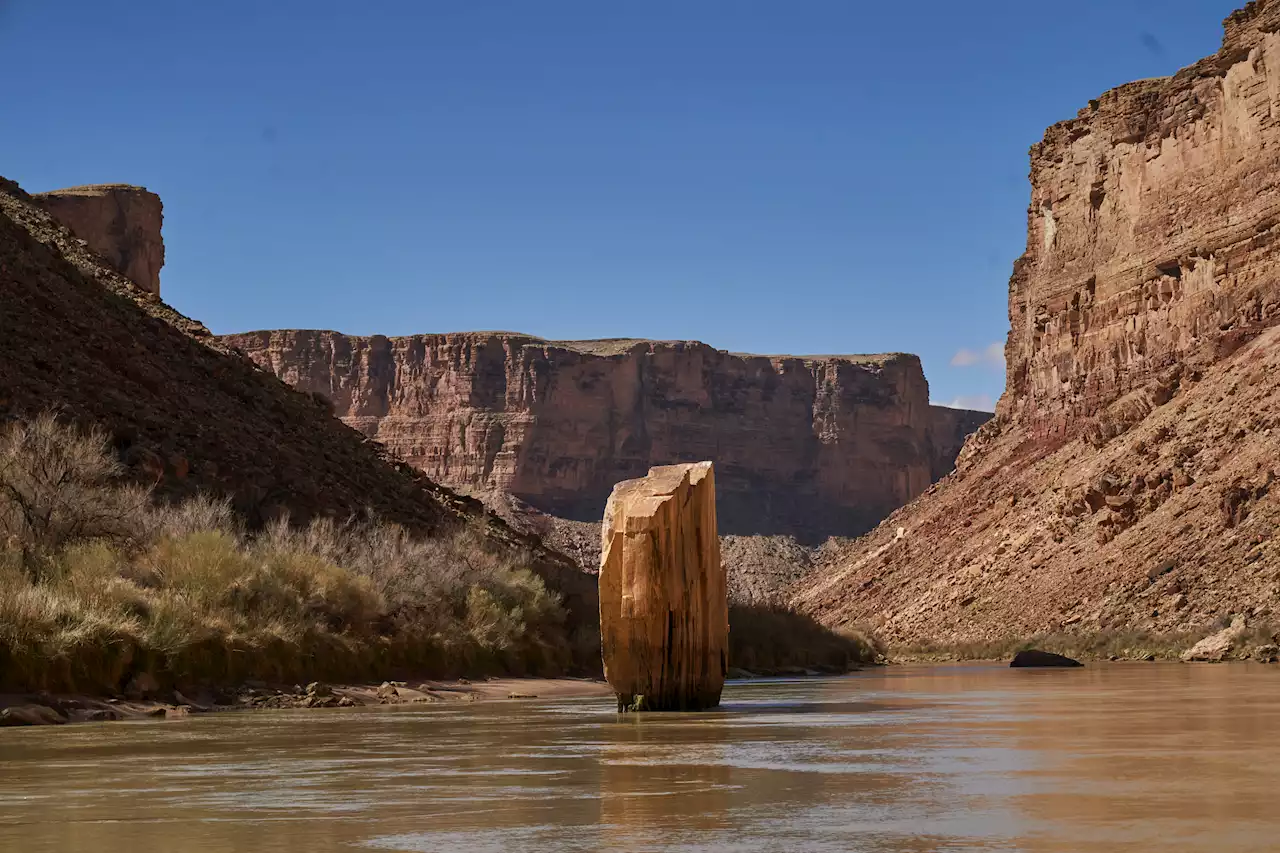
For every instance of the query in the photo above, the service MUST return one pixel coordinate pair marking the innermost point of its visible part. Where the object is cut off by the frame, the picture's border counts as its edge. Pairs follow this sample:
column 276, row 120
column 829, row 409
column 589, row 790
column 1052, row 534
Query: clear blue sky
column 804, row 176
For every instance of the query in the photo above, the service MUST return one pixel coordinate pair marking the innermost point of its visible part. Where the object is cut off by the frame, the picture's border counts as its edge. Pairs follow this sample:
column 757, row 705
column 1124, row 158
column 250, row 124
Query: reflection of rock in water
column 663, row 607
column 660, row 775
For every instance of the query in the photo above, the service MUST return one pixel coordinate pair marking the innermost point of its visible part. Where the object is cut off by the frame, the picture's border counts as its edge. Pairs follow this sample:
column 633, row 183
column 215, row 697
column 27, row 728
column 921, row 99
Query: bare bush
column 57, row 488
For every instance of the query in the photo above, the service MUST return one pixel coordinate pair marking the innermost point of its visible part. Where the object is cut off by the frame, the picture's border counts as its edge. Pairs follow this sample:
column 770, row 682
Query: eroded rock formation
column 1127, row 481
column 1152, row 229
column 664, row 616
column 118, row 221
column 809, row 446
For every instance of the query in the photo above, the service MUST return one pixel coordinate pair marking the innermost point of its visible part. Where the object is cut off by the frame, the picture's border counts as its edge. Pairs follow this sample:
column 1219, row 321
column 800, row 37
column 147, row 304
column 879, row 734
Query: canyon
column 1126, row 482
column 186, row 414
column 804, row 446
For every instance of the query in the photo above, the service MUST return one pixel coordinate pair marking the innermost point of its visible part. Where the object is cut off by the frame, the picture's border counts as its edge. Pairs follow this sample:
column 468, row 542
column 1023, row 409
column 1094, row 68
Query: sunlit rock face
column 1151, row 231
column 1127, row 485
column 805, row 445
column 664, row 612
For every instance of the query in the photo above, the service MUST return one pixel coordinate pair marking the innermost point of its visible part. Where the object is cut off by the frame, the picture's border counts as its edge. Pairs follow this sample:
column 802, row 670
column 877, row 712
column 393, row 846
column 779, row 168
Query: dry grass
column 98, row 585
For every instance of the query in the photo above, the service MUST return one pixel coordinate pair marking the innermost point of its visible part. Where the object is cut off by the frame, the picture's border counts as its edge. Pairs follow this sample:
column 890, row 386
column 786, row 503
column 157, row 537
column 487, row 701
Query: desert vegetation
column 100, row 582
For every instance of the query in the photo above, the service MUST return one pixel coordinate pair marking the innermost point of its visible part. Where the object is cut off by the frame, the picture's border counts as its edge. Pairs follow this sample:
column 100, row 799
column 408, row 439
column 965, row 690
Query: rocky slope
column 1125, row 482
column 118, row 221
column 188, row 413
column 807, row 446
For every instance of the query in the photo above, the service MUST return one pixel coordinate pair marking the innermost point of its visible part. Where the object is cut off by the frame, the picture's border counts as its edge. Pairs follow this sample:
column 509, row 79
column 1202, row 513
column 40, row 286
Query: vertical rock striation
column 810, row 446
column 118, row 221
column 664, row 617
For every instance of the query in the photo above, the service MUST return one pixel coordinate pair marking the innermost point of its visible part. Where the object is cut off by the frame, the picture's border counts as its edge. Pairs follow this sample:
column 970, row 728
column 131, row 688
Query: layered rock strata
column 1152, row 230
column 810, row 446
column 664, row 614
column 118, row 221
column 1126, row 483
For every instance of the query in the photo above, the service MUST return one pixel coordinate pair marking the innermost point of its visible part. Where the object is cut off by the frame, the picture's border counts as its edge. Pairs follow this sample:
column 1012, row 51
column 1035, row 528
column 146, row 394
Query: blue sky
column 803, row 176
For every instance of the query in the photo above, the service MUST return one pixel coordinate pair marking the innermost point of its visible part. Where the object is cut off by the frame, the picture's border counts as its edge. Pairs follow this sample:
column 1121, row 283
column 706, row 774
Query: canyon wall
column 1125, row 487
column 1152, row 230
column 118, row 221
column 948, row 431
column 808, row 446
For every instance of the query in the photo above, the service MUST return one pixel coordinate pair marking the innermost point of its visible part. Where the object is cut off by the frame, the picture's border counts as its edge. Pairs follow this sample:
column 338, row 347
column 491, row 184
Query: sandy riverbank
column 55, row 709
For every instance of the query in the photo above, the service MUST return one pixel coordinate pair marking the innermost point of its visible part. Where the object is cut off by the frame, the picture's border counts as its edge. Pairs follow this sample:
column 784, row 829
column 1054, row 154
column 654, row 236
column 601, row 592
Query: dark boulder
column 1037, row 658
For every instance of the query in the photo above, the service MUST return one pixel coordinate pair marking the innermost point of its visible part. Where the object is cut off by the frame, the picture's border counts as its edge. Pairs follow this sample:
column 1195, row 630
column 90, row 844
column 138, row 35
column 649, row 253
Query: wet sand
column 21, row 709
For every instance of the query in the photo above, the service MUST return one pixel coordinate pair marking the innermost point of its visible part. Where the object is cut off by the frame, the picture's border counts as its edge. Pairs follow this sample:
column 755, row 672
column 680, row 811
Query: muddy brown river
column 1114, row 757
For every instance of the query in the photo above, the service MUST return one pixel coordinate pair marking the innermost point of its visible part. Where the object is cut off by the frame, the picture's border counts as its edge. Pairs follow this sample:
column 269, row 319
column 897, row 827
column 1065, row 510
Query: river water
column 1113, row 757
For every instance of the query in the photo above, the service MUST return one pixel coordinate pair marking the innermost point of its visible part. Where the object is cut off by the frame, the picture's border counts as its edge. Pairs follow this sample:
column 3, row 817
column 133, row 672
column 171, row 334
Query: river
column 1113, row 757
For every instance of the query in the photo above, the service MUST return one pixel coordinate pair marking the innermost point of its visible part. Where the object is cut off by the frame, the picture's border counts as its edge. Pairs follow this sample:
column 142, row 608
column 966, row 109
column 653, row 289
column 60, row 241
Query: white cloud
column 990, row 356
column 976, row 402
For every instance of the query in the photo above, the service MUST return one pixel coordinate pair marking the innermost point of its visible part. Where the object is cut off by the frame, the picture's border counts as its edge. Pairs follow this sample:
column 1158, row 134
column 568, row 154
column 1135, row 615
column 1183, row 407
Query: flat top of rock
column 92, row 190
column 603, row 347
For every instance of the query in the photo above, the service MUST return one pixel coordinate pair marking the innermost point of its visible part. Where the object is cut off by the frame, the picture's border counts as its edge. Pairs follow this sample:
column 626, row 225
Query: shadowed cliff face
column 1126, row 483
column 809, row 446
column 119, row 222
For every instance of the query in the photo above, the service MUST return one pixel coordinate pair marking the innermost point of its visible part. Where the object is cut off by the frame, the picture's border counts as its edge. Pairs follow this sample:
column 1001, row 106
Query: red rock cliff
column 1152, row 230
column 806, row 445
column 119, row 222
column 1127, row 483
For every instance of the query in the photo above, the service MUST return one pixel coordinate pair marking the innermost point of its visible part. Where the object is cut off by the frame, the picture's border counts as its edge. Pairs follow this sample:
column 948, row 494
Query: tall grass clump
column 99, row 584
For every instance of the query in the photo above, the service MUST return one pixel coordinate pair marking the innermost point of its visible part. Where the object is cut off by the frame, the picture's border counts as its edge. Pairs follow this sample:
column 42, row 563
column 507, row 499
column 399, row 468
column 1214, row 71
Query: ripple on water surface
column 900, row 759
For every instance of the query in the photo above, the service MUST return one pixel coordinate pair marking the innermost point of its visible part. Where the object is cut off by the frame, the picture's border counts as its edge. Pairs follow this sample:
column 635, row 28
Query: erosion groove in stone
column 663, row 608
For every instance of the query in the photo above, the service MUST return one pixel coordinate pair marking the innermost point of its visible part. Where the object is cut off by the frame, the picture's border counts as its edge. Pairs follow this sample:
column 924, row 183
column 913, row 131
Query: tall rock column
column 664, row 614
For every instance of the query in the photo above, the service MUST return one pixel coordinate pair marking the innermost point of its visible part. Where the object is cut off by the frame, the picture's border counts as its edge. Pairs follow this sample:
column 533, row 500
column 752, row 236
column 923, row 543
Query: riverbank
column 1236, row 641
column 34, row 709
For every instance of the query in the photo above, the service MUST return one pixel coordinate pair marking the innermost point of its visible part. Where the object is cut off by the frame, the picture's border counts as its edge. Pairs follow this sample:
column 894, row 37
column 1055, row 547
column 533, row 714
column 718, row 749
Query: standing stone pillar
column 664, row 613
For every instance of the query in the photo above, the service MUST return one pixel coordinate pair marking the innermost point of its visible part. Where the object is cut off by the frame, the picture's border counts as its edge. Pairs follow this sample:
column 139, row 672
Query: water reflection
column 1110, row 758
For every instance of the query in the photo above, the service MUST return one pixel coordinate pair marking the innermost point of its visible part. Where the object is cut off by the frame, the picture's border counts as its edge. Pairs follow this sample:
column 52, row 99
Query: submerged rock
column 1035, row 658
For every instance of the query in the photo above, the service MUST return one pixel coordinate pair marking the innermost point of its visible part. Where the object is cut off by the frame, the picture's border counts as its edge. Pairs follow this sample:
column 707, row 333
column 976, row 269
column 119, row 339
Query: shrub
column 96, row 584
column 57, row 488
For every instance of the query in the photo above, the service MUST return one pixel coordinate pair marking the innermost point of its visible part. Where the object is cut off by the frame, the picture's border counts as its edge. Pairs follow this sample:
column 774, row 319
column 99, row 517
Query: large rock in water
column 664, row 614
column 1034, row 658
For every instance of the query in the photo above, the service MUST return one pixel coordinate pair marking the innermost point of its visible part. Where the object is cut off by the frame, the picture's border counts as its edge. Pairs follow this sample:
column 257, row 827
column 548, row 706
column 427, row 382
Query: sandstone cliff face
column 1152, row 230
column 1126, row 482
column 949, row 429
column 119, row 222
column 811, row 446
